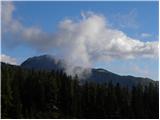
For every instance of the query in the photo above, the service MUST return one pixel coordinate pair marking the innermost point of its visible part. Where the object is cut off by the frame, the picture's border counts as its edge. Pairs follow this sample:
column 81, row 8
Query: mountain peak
column 47, row 56
column 101, row 70
column 43, row 62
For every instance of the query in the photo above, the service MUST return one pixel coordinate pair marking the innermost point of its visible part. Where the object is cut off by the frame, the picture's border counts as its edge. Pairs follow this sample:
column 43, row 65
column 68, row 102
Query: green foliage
column 42, row 94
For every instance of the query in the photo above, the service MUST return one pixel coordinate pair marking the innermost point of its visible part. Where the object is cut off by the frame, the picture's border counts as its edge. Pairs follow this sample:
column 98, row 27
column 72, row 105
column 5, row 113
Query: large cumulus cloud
column 81, row 42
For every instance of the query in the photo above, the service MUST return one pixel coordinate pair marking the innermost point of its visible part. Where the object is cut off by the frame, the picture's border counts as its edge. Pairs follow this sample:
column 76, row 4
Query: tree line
column 42, row 94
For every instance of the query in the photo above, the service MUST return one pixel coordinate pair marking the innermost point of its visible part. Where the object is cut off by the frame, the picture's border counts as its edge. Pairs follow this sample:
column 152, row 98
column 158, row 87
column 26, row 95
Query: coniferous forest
column 40, row 94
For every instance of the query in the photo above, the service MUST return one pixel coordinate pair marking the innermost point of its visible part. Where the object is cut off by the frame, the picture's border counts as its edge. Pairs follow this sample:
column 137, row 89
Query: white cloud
column 7, row 59
column 7, row 10
column 92, row 36
column 81, row 42
column 145, row 35
column 33, row 36
column 128, row 20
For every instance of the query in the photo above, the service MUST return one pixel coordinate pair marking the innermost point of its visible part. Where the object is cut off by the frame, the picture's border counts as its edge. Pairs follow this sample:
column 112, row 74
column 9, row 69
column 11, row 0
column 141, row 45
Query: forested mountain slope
column 27, row 93
column 48, row 62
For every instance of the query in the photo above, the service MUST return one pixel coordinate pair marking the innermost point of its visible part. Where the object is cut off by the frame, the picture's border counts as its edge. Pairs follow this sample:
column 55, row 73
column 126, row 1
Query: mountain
column 44, row 62
column 48, row 62
column 102, row 76
column 36, row 94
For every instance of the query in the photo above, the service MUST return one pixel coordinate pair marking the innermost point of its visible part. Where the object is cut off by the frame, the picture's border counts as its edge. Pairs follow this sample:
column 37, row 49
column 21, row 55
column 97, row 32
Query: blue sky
column 138, row 20
column 37, row 13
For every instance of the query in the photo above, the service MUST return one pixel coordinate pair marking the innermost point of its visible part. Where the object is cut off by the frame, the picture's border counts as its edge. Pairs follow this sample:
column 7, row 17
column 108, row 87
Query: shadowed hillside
column 44, row 94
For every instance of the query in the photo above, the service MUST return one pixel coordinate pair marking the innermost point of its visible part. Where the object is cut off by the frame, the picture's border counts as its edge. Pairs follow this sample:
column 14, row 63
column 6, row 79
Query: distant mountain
column 48, row 62
column 102, row 76
column 44, row 62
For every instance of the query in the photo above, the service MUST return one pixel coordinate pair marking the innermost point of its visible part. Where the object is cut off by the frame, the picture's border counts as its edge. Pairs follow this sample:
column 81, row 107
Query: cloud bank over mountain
column 8, row 59
column 82, row 42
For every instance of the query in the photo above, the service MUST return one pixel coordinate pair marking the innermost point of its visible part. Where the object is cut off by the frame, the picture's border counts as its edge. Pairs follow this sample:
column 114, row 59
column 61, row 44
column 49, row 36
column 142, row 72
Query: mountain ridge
column 99, row 75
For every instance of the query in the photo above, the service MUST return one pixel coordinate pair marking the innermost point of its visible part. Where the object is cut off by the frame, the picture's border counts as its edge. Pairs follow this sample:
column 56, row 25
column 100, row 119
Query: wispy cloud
column 146, row 35
column 137, row 69
column 7, row 59
column 128, row 20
